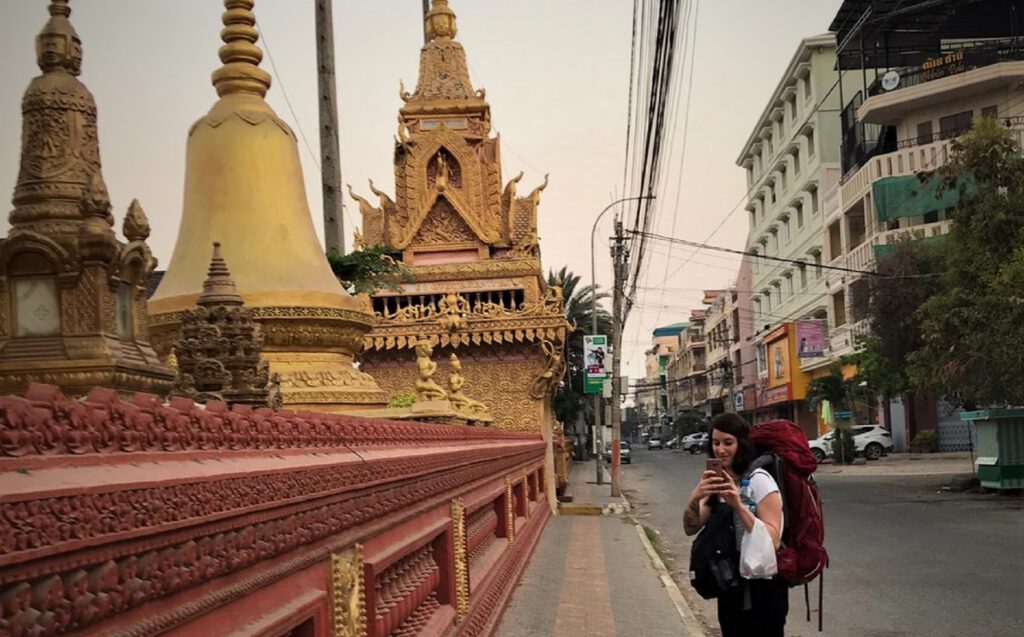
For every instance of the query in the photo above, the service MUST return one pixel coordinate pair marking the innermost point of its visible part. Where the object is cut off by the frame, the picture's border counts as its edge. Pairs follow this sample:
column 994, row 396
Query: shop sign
column 774, row 395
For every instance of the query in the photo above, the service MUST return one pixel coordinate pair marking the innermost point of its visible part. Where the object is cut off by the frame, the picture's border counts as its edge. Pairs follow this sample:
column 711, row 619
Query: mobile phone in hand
column 714, row 464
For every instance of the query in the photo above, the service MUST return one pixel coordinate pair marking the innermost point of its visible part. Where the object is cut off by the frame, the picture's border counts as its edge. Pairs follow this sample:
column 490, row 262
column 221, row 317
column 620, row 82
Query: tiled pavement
column 591, row 576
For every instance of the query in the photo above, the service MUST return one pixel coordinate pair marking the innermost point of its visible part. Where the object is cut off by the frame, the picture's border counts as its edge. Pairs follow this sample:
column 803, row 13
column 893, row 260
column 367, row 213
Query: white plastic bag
column 757, row 553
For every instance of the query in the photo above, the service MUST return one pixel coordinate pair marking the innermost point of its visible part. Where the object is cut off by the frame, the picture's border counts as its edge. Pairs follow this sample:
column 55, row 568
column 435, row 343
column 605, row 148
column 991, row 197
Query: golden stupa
column 244, row 189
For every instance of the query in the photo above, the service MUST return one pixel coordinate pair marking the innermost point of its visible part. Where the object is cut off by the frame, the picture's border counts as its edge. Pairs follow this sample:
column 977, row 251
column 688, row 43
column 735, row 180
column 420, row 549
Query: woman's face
column 724, row 447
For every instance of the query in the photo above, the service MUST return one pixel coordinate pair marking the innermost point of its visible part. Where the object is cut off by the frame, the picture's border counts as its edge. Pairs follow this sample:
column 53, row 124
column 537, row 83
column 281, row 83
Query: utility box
column 1000, row 460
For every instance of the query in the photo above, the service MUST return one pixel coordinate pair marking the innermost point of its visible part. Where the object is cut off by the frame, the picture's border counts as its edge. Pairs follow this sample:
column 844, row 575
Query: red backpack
column 787, row 457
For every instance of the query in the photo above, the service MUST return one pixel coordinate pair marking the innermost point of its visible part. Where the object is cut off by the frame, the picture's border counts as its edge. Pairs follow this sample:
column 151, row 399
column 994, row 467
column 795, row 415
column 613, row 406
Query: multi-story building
column 654, row 395
column 744, row 397
column 718, row 338
column 689, row 365
column 923, row 74
column 791, row 158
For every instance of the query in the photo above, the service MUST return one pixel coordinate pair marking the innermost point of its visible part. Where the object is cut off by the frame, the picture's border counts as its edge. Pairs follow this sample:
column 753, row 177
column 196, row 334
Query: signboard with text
column 810, row 338
column 595, row 356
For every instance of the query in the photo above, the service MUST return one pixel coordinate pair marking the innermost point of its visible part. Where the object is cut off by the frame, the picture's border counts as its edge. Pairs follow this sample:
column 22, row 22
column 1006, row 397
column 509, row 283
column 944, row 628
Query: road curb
column 686, row 612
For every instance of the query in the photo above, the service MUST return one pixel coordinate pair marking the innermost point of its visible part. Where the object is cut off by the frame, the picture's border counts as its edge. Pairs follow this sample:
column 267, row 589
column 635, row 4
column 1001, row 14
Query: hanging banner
column 595, row 353
column 810, row 338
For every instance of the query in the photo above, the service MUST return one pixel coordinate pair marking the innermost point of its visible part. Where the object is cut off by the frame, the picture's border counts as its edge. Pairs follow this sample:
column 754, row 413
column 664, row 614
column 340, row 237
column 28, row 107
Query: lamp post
column 598, row 433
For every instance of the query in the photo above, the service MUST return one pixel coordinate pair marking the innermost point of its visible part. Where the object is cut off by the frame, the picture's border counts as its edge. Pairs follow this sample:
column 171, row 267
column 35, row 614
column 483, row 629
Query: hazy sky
column 556, row 74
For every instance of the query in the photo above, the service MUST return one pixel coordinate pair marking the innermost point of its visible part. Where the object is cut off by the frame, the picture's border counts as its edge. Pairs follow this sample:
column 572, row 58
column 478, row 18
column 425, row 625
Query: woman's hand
column 710, row 484
column 729, row 492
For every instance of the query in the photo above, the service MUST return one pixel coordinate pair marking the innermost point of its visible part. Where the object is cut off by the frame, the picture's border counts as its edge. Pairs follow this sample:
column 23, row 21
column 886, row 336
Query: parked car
column 653, row 443
column 694, row 442
column 871, row 441
column 672, row 443
column 624, row 456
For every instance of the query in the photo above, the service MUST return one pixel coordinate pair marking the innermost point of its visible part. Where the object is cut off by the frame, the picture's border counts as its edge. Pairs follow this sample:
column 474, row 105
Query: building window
column 817, row 263
column 753, row 218
column 796, row 162
column 951, row 126
column 810, row 143
column 992, row 112
column 785, row 230
column 788, row 277
column 767, row 294
column 814, row 200
column 803, row 276
column 924, row 132
column 799, row 207
column 762, row 367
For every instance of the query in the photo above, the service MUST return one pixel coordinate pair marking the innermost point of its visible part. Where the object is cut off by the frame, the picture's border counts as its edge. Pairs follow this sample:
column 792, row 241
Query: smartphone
column 714, row 464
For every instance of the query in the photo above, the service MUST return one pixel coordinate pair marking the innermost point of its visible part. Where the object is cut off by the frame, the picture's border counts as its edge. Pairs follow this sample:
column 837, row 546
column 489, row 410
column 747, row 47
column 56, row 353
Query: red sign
column 779, row 394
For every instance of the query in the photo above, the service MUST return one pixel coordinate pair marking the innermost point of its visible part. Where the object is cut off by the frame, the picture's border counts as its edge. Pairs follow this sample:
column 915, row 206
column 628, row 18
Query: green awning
column 912, row 196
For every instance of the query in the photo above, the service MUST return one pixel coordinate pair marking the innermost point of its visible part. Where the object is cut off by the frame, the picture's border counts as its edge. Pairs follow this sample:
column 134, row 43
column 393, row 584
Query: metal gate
column 954, row 434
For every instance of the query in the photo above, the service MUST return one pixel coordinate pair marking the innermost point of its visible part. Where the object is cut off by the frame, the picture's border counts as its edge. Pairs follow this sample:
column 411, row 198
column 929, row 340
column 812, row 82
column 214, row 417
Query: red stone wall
column 135, row 518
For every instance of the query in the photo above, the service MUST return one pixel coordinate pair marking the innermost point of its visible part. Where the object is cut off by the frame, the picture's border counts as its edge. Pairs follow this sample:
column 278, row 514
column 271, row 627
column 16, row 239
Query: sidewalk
column 594, row 575
column 906, row 464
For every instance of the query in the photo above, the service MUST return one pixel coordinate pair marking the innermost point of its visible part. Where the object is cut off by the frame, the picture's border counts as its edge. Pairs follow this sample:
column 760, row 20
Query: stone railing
column 136, row 518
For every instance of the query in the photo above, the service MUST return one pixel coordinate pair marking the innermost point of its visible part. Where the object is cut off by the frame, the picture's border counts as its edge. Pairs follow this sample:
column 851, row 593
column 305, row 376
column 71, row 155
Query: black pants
column 766, row 617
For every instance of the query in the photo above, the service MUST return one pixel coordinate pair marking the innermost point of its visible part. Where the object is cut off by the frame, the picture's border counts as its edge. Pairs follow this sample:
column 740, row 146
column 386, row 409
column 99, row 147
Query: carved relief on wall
column 443, row 226
column 501, row 384
column 80, row 304
column 348, row 598
column 461, row 565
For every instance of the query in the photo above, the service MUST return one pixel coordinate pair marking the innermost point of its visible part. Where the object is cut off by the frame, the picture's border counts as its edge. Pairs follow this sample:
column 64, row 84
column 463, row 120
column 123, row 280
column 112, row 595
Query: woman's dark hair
column 734, row 425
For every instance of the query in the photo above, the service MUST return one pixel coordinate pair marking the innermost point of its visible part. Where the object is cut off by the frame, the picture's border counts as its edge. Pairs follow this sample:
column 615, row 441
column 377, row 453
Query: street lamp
column 593, row 325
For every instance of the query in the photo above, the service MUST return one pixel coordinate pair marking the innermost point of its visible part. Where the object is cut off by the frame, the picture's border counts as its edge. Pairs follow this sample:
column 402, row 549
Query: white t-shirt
column 762, row 484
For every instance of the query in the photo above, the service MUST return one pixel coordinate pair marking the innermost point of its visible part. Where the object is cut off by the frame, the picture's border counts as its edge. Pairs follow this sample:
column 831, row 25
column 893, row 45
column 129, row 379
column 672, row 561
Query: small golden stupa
column 72, row 295
column 244, row 189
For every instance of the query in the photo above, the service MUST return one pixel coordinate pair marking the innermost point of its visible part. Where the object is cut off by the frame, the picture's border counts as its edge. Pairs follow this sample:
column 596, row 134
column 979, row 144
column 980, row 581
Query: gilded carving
column 426, row 389
column 510, row 511
column 460, row 401
column 443, row 226
column 348, row 597
column 549, row 379
column 461, row 565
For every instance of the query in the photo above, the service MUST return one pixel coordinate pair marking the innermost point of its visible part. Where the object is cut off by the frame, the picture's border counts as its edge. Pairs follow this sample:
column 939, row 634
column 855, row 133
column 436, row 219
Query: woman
column 759, row 607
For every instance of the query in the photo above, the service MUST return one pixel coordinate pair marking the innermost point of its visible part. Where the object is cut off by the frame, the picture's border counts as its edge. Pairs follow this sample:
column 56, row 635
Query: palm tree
column 568, row 402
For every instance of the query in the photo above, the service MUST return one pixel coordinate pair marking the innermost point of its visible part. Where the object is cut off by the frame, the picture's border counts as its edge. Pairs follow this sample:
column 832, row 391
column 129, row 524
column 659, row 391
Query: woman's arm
column 697, row 509
column 769, row 511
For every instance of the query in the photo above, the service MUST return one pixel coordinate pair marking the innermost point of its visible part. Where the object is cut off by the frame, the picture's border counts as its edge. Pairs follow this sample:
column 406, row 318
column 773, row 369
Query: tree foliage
column 972, row 328
column 908, row 277
column 569, row 402
column 369, row 269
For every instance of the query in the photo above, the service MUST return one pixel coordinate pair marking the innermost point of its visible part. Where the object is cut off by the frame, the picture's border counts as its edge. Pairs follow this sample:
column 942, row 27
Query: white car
column 871, row 441
column 694, row 442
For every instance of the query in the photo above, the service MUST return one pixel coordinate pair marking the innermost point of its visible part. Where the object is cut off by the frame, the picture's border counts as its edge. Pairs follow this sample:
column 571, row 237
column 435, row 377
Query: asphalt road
column 907, row 558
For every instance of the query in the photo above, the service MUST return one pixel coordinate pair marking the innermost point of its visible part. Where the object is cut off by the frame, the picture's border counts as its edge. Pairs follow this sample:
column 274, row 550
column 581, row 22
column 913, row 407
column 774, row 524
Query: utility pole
column 426, row 9
column 330, row 152
column 619, row 265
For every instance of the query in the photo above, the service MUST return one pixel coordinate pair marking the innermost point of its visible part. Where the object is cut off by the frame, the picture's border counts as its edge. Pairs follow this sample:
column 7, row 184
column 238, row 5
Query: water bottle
column 747, row 496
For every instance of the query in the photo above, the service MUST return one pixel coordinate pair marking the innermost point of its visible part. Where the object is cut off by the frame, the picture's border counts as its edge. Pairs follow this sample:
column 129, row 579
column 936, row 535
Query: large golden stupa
column 244, row 189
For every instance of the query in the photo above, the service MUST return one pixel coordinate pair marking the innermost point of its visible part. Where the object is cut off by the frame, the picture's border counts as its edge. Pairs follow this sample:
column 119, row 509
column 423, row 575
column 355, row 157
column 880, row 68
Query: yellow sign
column 779, row 362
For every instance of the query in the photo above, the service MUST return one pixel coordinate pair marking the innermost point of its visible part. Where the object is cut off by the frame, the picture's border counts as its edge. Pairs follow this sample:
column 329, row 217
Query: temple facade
column 471, row 245
column 73, row 309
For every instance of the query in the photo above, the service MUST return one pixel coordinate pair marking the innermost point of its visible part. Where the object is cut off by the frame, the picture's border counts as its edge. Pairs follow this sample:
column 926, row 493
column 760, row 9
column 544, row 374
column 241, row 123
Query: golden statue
column 426, row 389
column 552, row 374
column 461, row 402
column 453, row 309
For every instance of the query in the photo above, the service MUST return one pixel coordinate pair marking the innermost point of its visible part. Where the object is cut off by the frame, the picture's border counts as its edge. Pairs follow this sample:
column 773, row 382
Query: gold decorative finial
column 241, row 57
column 440, row 21
column 136, row 225
column 58, row 46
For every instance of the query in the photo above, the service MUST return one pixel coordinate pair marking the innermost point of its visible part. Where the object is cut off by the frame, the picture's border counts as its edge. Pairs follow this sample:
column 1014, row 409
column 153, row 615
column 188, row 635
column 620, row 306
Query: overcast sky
column 556, row 74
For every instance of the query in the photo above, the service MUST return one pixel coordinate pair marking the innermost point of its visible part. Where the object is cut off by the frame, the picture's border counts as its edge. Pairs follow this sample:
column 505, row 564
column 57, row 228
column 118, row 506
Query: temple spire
column 240, row 55
column 440, row 22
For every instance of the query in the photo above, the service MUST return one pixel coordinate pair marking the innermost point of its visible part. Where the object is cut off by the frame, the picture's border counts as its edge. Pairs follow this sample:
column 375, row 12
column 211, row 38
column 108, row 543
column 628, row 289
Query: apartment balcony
column 972, row 69
column 911, row 157
column 842, row 340
column 864, row 256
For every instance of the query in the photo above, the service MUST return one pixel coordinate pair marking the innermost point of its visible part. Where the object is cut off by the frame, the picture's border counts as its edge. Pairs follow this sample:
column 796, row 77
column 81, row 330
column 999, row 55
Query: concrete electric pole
column 619, row 271
column 330, row 153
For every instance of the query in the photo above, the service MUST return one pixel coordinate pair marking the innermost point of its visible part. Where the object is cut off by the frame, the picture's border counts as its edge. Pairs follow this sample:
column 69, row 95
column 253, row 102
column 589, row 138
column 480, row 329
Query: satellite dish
column 890, row 80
